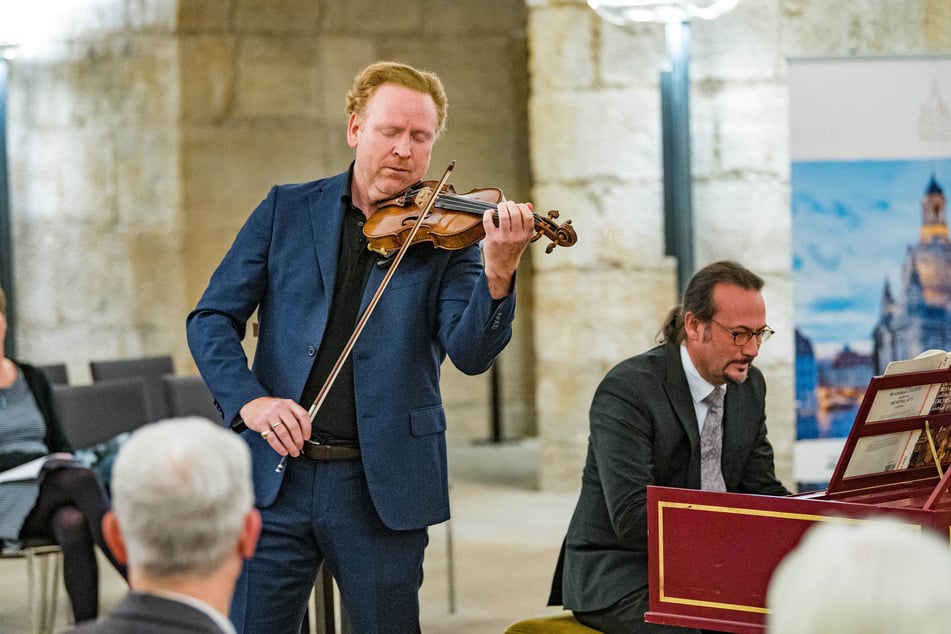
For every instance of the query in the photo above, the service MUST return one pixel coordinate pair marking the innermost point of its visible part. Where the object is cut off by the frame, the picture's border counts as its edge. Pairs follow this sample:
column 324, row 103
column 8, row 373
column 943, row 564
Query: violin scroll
column 562, row 235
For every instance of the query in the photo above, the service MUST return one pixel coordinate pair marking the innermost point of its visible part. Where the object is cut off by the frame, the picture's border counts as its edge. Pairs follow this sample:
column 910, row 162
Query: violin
column 454, row 220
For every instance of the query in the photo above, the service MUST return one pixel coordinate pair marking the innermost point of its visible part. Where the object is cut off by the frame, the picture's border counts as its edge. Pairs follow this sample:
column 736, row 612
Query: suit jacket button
column 311, row 351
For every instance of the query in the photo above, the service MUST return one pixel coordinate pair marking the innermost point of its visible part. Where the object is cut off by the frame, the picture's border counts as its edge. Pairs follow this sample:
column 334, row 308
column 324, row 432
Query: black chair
column 90, row 415
column 93, row 414
column 56, row 373
column 189, row 396
column 149, row 369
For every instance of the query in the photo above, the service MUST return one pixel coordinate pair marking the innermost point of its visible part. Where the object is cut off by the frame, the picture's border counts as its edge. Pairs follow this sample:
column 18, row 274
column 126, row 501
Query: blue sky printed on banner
column 852, row 224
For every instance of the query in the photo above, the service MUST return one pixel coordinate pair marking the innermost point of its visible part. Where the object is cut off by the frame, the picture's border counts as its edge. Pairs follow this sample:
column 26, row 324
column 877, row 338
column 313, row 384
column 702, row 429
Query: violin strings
column 471, row 205
column 461, row 203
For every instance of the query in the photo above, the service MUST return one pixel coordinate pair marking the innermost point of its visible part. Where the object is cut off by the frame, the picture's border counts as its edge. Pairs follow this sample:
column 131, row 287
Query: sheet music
column 913, row 400
column 884, row 452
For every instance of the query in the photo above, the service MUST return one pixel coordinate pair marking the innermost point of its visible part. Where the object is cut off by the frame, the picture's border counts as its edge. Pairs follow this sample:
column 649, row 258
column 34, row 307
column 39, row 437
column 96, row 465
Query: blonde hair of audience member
column 877, row 577
column 183, row 508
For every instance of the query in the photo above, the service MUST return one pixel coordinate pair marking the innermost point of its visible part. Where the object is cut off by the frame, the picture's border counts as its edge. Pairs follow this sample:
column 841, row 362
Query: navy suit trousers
column 324, row 512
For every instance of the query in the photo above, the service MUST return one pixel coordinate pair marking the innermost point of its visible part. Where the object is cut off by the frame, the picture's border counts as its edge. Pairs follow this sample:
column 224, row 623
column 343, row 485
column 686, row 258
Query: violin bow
column 319, row 400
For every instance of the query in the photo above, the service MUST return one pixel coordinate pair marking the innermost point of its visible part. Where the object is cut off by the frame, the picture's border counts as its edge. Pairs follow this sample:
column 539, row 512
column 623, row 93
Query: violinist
column 356, row 483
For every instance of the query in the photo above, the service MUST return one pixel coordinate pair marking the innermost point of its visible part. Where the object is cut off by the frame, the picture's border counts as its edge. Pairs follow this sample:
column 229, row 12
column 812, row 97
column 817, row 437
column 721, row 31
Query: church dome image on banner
column 918, row 316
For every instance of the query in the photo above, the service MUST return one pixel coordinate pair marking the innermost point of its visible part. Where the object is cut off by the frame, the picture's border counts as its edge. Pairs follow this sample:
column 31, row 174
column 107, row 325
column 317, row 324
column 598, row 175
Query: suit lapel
column 681, row 402
column 326, row 221
column 678, row 393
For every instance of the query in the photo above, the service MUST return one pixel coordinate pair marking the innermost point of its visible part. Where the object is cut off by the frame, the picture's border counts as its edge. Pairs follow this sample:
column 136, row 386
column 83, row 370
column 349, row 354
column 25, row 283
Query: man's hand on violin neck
column 508, row 231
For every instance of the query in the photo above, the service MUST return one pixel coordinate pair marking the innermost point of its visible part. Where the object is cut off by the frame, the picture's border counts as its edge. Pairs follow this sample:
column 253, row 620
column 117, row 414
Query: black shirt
column 337, row 416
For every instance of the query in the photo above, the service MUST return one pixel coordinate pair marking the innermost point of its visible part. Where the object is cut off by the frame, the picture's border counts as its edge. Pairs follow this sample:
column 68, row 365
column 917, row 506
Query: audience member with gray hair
column 877, row 577
column 184, row 519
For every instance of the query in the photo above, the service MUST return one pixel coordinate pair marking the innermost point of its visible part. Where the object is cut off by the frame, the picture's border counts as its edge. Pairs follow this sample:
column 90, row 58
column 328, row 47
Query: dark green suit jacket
column 644, row 431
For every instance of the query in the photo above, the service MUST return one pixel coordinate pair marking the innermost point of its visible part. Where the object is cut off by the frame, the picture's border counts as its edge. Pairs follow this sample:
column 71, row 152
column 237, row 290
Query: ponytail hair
column 673, row 328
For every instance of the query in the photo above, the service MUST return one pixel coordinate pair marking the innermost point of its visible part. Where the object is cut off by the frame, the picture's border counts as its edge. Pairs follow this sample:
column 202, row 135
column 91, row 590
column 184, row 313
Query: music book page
column 913, row 400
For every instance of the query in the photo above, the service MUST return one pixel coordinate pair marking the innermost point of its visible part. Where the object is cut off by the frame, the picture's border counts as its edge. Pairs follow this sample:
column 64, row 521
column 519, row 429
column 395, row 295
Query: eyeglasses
column 743, row 337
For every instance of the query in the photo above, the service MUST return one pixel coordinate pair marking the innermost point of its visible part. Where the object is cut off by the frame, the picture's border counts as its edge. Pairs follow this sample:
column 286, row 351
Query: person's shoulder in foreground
column 878, row 576
column 183, row 519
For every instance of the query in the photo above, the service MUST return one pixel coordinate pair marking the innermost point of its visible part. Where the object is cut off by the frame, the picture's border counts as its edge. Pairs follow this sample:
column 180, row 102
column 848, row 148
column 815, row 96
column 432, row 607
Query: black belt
column 329, row 453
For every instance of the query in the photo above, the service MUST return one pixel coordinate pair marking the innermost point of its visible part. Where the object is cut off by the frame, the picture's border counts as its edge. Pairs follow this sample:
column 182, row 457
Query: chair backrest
column 149, row 369
column 189, row 396
column 55, row 373
column 93, row 414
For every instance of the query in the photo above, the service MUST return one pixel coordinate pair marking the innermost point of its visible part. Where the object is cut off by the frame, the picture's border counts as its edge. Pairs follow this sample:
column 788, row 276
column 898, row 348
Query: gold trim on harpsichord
column 811, row 517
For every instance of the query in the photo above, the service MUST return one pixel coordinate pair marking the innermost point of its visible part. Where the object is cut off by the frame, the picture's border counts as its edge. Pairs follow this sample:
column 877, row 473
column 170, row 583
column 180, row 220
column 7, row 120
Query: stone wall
column 596, row 149
column 143, row 132
column 95, row 184
column 262, row 93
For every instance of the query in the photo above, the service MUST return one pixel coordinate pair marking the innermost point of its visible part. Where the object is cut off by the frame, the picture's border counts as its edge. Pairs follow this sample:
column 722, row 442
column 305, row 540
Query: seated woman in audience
column 59, row 499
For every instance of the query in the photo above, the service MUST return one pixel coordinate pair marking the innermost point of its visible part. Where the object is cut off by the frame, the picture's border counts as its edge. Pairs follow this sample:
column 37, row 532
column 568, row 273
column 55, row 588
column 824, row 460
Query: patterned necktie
column 711, row 443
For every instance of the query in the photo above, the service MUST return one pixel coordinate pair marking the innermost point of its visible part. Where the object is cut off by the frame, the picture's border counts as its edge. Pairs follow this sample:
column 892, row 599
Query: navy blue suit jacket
column 283, row 263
